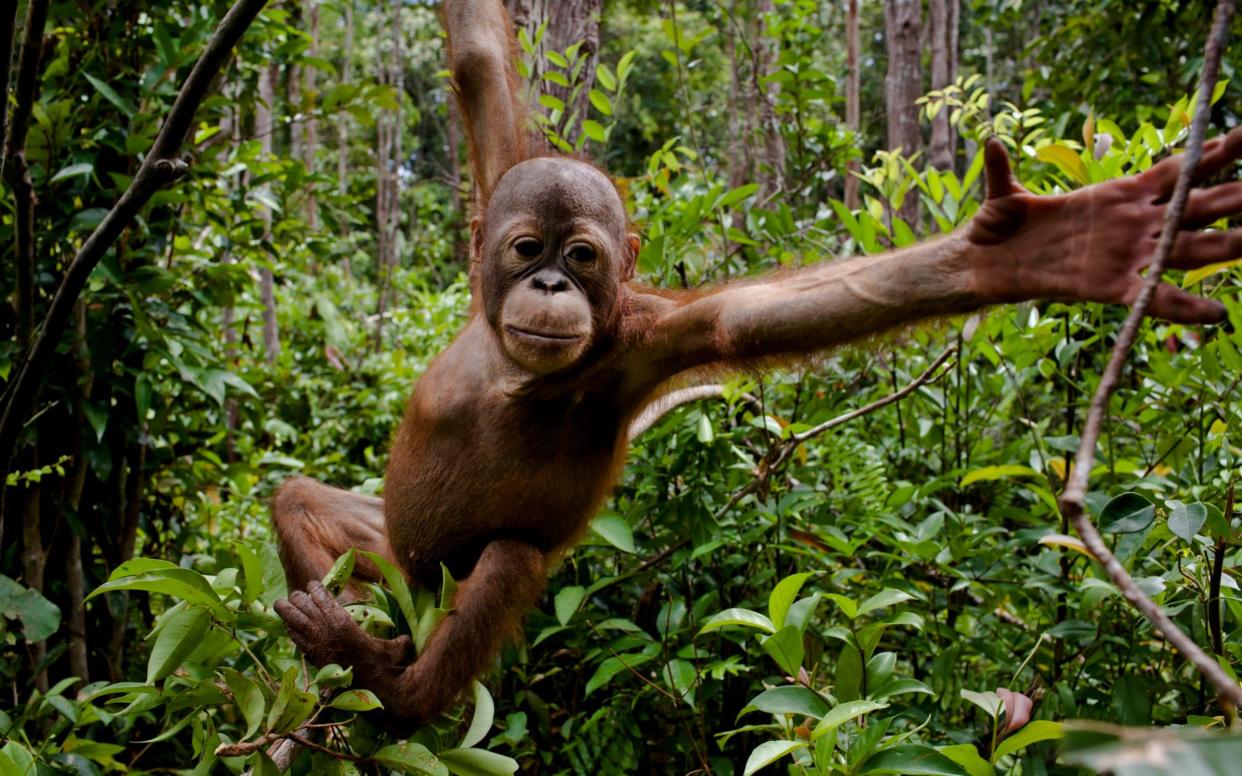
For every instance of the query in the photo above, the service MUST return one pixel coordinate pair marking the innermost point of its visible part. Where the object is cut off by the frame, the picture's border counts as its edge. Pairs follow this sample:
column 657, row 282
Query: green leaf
column 605, row 77
column 481, row 722
column 395, row 580
column 356, row 700
column 789, row 699
column 611, row 667
column 844, row 712
column 333, row 675
column 769, row 752
column 248, row 698
column 568, row 599
column 989, row 701
column 186, row 584
column 180, row 632
column 252, row 573
column 110, row 95
column 409, row 757
column 616, row 531
column 968, row 757
column 849, row 673
column 885, row 598
column 557, row 58
column 342, row 569
column 82, row 168
column 1067, row 160
column 734, row 196
column 1034, row 732
column 40, row 618
column 783, row 596
column 477, row 762
column 1127, row 513
column 912, row 760
column 785, row 647
column 1007, row 471
column 743, row 617
column 595, row 131
column 600, row 101
column 551, row 103
column 292, row 704
column 1185, row 520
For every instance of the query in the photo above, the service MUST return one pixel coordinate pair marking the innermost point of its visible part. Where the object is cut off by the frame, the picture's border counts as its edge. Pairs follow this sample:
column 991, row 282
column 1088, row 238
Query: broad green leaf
column 912, row 760
column 600, row 101
column 568, row 599
column 1185, row 520
column 333, row 675
column 477, row 762
column 885, row 598
column 844, row 712
column 785, row 647
column 396, row 583
column 783, row 596
column 788, row 699
column 186, row 584
column 356, row 700
column 110, row 95
column 292, row 704
column 481, row 722
column 968, row 757
column 252, row 573
column 595, row 131
column 616, row 531
column 82, row 168
column 989, row 701
column 410, row 757
column 248, row 698
column 769, row 752
column 342, row 569
column 611, row 667
column 178, row 636
column 988, row 473
column 1127, row 513
column 605, row 77
column 1067, row 160
column 40, row 618
column 743, row 617
column 1033, row 732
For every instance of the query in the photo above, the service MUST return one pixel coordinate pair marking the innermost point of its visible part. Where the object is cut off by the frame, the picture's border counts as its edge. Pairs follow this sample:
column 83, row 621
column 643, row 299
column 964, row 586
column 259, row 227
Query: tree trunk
column 942, row 152
column 767, row 53
column 568, row 22
column 903, row 84
column 342, row 128
column 75, row 572
column 853, row 115
column 310, row 13
column 263, row 127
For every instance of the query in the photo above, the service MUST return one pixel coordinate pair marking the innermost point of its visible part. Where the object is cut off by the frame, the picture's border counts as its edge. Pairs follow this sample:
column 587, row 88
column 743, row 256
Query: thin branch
column 1073, row 499
column 8, row 23
column 662, row 406
column 27, row 77
column 160, row 167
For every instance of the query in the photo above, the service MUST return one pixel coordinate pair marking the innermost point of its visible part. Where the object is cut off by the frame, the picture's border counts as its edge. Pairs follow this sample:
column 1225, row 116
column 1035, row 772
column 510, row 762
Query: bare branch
column 1073, row 499
column 160, row 167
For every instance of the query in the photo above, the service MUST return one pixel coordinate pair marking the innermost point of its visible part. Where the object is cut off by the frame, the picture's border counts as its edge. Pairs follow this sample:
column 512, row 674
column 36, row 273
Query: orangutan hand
column 1094, row 243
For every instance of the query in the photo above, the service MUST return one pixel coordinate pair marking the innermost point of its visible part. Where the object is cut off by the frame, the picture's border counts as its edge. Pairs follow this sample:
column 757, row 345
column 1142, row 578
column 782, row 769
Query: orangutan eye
column 528, row 247
column 582, row 253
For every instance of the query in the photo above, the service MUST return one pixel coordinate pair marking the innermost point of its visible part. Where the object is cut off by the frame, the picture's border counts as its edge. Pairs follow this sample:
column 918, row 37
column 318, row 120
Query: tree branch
column 1073, row 499
column 8, row 23
column 160, row 167
column 27, row 77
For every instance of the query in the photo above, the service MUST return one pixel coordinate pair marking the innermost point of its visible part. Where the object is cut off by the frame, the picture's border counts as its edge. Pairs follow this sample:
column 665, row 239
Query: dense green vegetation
column 896, row 594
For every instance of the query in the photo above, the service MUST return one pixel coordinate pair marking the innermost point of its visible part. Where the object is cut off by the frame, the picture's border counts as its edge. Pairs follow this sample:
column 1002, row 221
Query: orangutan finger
column 1217, row 153
column 1197, row 249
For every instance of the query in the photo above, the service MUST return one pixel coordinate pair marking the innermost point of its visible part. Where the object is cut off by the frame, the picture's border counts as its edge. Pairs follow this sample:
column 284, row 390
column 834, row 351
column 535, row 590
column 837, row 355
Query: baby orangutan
column 517, row 431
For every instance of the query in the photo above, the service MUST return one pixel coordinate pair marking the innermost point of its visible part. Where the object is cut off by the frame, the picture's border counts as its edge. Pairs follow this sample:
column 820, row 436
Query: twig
column 1073, row 499
column 160, row 167
column 1218, row 572
column 8, row 23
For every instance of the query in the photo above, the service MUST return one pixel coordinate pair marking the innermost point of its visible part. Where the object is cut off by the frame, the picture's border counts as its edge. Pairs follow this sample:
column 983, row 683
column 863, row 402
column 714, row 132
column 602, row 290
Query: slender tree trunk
column 264, row 127
column 310, row 12
column 568, row 22
column 853, row 114
column 231, row 128
column 75, row 572
column 942, row 151
column 903, row 84
column 767, row 53
column 342, row 128
column 8, row 24
column 384, row 128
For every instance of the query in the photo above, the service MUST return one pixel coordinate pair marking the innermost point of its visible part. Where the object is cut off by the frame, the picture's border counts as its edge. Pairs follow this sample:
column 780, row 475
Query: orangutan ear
column 632, row 246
